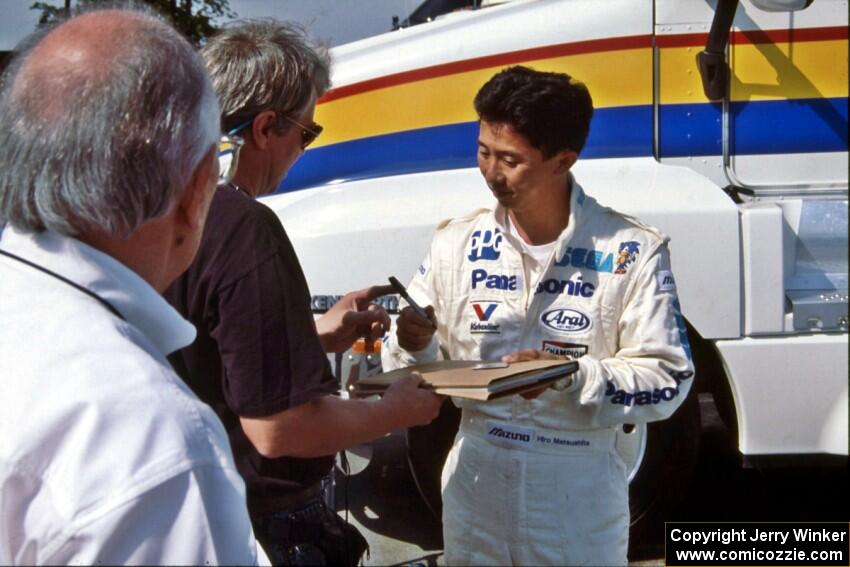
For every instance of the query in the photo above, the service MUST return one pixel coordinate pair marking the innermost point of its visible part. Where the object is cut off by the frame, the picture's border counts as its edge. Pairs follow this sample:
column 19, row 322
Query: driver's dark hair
column 552, row 110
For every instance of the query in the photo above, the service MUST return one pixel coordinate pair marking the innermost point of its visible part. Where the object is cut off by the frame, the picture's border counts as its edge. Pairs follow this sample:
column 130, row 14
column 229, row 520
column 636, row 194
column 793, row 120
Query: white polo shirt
column 105, row 455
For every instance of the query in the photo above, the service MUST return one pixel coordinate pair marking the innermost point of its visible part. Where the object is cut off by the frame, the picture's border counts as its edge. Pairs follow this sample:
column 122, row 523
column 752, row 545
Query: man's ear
column 194, row 203
column 261, row 128
column 566, row 159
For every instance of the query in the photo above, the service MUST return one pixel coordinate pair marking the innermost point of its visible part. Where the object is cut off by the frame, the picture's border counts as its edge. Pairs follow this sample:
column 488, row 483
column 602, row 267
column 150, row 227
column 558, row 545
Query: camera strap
column 65, row 280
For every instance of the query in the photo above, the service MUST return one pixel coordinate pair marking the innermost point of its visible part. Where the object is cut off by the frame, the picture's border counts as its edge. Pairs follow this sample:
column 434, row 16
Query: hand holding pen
column 415, row 325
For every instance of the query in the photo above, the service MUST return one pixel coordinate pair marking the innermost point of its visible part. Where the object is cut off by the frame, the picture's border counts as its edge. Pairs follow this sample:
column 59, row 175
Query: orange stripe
column 501, row 59
column 757, row 36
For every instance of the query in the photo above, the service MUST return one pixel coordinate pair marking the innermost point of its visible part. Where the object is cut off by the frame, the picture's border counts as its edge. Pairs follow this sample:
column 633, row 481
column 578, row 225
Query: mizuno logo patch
column 516, row 435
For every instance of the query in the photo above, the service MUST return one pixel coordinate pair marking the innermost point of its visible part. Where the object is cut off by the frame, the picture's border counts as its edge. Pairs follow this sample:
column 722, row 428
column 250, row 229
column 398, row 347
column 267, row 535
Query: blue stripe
column 615, row 132
column 763, row 127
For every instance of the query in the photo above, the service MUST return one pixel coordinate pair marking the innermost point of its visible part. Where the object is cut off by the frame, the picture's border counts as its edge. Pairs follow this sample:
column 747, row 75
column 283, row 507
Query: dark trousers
column 309, row 534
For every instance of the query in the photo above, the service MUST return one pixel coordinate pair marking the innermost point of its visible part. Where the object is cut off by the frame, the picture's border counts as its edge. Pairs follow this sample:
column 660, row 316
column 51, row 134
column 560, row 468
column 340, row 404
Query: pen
column 402, row 291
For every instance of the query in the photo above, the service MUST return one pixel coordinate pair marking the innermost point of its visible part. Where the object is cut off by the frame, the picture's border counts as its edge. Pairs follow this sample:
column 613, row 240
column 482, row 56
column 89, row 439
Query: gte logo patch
column 573, row 350
column 566, row 320
column 484, row 245
column 493, row 281
column 484, row 310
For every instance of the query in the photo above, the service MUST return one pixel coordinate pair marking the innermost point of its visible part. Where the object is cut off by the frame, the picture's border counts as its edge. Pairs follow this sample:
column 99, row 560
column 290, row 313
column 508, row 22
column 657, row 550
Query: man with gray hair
column 109, row 128
column 260, row 360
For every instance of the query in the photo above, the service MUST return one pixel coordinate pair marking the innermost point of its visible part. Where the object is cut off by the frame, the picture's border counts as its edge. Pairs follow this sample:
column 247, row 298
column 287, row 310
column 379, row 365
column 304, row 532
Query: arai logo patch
column 566, row 320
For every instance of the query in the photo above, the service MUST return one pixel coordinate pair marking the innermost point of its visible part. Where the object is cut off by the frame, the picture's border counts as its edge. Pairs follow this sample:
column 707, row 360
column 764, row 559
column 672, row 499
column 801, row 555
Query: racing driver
column 547, row 273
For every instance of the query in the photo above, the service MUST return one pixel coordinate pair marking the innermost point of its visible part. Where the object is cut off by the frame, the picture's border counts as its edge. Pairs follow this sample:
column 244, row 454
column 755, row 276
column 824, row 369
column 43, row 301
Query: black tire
column 660, row 483
column 665, row 473
column 427, row 449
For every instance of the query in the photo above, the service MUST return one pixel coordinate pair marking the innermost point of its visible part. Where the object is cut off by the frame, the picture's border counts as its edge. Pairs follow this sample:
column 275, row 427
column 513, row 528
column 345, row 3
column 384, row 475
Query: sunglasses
column 228, row 156
column 308, row 133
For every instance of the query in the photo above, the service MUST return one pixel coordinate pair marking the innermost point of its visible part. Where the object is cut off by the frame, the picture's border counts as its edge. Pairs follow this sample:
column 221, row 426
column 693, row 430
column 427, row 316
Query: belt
column 287, row 501
column 512, row 435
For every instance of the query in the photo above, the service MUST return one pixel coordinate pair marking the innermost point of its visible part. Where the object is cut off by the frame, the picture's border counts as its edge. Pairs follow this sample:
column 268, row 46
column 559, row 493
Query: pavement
column 383, row 501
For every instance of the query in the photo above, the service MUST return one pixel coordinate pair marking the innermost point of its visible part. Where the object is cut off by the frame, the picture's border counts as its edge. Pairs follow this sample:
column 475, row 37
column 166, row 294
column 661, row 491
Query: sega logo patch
column 485, row 245
column 573, row 350
column 482, row 279
column 566, row 320
column 585, row 258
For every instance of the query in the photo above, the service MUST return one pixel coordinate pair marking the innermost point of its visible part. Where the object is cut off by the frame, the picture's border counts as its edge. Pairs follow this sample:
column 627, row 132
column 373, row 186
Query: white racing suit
column 534, row 482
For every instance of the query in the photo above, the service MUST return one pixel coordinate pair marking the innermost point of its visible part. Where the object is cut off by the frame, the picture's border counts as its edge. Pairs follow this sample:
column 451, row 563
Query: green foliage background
column 193, row 18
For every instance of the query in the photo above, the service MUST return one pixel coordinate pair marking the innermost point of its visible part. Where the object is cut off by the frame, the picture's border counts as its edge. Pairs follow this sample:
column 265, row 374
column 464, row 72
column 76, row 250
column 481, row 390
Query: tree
column 193, row 18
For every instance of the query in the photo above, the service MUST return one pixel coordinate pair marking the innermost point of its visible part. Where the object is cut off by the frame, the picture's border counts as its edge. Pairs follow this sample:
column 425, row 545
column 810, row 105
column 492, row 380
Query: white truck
column 723, row 123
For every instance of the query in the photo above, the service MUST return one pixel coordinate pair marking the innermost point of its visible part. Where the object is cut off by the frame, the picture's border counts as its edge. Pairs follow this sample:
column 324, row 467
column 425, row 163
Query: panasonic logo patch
column 480, row 278
column 566, row 320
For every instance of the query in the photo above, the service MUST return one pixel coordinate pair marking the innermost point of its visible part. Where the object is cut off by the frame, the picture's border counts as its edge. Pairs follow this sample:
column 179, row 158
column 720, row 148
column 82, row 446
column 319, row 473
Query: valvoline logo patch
column 484, row 245
column 484, row 310
column 566, row 320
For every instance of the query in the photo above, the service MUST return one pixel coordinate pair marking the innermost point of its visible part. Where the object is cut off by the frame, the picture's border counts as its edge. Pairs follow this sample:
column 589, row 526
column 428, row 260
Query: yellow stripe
column 812, row 69
column 615, row 78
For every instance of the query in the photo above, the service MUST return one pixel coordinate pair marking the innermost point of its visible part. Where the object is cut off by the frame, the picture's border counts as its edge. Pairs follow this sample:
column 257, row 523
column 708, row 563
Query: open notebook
column 474, row 379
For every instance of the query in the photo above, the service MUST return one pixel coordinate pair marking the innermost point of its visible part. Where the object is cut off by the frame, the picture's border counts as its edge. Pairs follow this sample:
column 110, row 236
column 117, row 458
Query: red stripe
column 478, row 311
column 590, row 46
column 501, row 59
column 757, row 36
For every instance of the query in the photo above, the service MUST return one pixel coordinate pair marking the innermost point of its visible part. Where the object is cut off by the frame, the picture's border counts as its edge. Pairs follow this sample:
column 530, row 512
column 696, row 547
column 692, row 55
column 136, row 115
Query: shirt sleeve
column 197, row 517
column 424, row 289
column 652, row 372
column 271, row 355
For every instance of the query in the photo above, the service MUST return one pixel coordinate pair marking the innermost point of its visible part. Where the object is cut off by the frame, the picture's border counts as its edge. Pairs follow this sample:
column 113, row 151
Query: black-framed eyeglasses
column 308, row 133
column 228, row 156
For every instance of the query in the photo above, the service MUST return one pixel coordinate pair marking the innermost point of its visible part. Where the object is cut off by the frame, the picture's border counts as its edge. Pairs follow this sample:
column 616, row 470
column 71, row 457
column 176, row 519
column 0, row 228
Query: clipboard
column 473, row 379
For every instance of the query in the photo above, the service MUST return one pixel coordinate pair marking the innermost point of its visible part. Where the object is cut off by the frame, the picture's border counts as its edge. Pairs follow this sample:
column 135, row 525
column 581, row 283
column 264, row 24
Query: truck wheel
column 659, row 457
column 427, row 449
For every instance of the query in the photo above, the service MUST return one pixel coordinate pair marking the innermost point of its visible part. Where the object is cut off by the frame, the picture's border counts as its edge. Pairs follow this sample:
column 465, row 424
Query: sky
column 333, row 22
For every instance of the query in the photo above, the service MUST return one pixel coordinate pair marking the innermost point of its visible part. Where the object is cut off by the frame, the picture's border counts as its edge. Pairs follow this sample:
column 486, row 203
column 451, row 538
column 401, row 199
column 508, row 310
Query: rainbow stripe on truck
column 788, row 95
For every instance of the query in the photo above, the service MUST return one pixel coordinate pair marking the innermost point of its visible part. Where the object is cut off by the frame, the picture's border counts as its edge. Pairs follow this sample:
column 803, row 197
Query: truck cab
column 722, row 123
